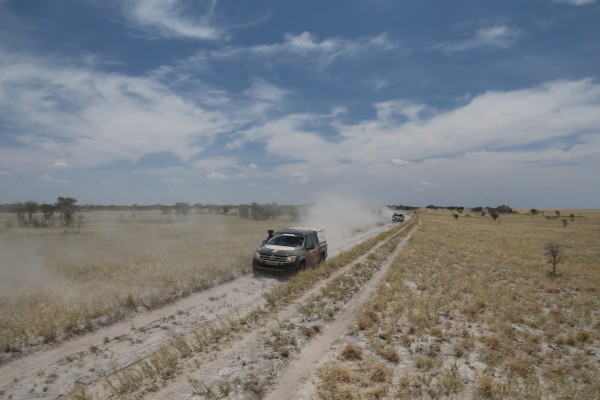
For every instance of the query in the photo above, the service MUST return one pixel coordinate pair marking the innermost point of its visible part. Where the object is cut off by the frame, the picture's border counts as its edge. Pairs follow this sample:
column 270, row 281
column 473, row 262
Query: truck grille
column 273, row 257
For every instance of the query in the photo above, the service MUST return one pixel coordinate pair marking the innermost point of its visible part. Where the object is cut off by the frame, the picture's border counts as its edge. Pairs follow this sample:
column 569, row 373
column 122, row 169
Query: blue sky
column 388, row 102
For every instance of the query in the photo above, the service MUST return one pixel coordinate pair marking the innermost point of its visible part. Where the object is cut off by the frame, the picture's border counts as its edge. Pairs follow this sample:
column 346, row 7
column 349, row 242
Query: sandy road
column 51, row 372
column 249, row 368
column 295, row 383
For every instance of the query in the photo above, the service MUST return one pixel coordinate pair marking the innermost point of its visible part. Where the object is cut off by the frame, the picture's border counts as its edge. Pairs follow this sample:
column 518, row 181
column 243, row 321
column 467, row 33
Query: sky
column 451, row 103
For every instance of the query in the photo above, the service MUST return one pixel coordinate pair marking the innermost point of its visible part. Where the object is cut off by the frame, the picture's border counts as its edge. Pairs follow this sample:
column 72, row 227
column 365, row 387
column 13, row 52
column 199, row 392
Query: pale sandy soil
column 50, row 373
column 86, row 360
column 297, row 380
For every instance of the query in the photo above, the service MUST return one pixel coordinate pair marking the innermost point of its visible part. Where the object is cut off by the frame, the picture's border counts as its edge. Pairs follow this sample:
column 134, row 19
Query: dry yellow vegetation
column 55, row 284
column 471, row 310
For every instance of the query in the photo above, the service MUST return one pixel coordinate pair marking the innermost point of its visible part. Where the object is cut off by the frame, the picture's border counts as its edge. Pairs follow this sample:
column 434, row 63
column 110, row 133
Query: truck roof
column 303, row 229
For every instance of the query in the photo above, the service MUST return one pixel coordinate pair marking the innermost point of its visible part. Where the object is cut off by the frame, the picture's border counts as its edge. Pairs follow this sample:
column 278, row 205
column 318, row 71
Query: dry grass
column 342, row 381
column 53, row 285
column 285, row 340
column 469, row 310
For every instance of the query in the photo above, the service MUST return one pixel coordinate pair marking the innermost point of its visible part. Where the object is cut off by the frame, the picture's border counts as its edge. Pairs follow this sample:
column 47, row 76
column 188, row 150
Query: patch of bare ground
column 469, row 310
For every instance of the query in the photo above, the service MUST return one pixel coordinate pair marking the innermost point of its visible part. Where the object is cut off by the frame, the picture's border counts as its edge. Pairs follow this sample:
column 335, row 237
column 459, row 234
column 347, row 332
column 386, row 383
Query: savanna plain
column 464, row 306
column 56, row 284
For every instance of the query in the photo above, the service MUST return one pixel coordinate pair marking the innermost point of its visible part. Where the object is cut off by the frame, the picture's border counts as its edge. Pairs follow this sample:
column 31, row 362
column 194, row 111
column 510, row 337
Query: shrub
column 555, row 255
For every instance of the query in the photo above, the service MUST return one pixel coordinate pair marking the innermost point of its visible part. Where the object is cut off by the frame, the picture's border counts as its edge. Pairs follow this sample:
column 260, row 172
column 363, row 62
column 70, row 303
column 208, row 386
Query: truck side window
column 310, row 243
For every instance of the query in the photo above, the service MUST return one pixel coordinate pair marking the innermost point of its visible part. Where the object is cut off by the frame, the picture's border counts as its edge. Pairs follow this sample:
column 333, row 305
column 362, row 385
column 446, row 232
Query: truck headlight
column 256, row 255
column 290, row 258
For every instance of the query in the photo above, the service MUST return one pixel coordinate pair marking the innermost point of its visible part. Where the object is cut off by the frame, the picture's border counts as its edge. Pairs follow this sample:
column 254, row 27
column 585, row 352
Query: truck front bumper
column 273, row 267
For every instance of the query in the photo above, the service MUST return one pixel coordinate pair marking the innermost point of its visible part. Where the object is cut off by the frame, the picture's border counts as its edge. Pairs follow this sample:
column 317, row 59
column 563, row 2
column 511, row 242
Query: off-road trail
column 87, row 358
column 262, row 354
column 295, row 383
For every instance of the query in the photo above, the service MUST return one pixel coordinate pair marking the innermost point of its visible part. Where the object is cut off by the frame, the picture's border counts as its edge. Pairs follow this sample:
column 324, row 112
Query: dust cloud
column 22, row 271
column 343, row 218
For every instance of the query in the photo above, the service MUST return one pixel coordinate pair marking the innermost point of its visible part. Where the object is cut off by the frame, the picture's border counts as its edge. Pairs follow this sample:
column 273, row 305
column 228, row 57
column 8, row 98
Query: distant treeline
column 31, row 213
column 403, row 207
column 34, row 214
column 503, row 209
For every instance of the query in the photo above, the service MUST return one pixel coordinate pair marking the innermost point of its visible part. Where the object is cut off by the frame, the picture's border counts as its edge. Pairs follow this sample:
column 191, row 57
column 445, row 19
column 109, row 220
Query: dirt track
column 245, row 366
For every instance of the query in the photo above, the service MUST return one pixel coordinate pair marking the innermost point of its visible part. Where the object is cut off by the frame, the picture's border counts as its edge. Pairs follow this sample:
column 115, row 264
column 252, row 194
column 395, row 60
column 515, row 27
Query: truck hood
column 278, row 248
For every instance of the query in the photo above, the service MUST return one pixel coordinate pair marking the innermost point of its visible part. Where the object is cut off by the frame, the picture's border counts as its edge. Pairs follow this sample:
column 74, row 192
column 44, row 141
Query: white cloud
column 286, row 137
column 299, row 177
column 555, row 123
column 93, row 118
column 391, row 110
column 262, row 90
column 216, row 175
column 398, row 161
column 172, row 18
column 577, row 2
column 328, row 49
column 495, row 120
column 304, row 48
column 61, row 163
column 51, row 179
column 499, row 36
column 214, row 163
column 173, row 180
column 427, row 184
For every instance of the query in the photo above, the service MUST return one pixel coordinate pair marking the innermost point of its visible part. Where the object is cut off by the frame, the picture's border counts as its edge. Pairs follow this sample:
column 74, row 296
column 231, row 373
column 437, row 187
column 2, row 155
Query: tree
column 555, row 255
column 244, row 211
column 31, row 207
column 165, row 209
column 19, row 209
column 48, row 211
column 504, row 209
column 66, row 207
column 533, row 211
column 182, row 210
column 258, row 212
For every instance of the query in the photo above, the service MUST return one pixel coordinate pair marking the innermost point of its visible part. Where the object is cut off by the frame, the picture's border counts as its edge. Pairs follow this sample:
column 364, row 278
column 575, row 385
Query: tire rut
column 247, row 366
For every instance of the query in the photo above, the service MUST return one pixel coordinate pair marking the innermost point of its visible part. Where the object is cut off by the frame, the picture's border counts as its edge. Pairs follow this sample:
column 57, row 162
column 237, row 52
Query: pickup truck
column 398, row 217
column 290, row 250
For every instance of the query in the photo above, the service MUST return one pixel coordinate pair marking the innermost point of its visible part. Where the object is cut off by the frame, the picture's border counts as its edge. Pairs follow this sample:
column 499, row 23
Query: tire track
column 295, row 383
column 248, row 365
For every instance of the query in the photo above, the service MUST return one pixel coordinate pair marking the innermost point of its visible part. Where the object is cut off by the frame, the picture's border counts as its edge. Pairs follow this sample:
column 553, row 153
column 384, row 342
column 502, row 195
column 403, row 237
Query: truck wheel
column 255, row 272
column 302, row 266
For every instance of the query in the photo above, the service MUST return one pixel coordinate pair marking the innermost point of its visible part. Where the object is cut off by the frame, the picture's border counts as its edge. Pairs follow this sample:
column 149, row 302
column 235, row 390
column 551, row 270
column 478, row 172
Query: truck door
column 312, row 247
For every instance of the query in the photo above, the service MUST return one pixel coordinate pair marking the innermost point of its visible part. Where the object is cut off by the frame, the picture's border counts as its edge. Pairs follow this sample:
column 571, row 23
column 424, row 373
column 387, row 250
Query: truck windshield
column 286, row 240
